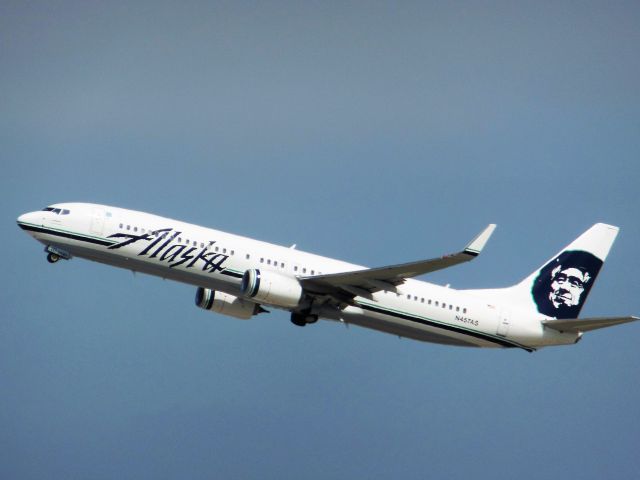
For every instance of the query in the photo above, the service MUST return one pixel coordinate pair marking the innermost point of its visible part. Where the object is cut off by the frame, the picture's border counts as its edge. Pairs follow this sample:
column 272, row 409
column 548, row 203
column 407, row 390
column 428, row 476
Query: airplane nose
column 25, row 218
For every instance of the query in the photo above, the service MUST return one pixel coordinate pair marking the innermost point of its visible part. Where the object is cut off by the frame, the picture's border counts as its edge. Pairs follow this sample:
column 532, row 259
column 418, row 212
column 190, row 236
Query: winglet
column 477, row 244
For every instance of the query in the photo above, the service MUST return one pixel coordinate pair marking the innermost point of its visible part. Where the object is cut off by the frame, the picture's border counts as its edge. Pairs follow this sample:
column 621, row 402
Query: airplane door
column 503, row 323
column 97, row 221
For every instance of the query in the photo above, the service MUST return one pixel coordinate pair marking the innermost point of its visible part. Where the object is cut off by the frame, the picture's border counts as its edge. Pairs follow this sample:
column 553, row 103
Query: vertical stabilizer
column 559, row 288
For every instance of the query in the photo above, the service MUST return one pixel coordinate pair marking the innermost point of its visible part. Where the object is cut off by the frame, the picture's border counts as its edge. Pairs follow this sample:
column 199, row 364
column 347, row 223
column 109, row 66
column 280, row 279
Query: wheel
column 52, row 258
column 309, row 319
column 298, row 319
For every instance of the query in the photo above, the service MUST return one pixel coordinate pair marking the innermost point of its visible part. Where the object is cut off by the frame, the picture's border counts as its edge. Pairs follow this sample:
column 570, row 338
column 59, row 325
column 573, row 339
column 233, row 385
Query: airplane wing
column 366, row 281
column 576, row 325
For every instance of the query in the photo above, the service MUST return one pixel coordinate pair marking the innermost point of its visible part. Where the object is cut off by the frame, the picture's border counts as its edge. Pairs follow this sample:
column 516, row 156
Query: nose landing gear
column 54, row 254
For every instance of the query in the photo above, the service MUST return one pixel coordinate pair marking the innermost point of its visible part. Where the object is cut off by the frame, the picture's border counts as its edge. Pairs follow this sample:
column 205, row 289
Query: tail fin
column 560, row 287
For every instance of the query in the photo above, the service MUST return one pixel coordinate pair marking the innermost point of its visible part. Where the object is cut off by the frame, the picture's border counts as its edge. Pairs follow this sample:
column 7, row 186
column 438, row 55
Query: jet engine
column 264, row 286
column 226, row 304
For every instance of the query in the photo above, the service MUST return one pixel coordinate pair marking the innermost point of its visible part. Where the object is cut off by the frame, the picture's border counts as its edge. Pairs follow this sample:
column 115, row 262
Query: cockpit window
column 57, row 211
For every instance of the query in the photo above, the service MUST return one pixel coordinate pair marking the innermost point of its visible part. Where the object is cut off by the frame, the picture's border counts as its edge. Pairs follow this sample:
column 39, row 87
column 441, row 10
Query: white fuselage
column 216, row 260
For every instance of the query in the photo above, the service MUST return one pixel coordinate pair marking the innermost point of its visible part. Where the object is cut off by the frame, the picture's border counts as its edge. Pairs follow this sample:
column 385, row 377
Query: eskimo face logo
column 564, row 283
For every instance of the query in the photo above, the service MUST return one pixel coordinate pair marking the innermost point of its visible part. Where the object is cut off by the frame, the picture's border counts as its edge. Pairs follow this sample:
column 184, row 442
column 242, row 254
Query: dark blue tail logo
column 564, row 283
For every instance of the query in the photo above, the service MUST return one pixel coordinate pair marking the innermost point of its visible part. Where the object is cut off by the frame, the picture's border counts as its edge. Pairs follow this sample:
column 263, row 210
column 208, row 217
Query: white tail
column 559, row 288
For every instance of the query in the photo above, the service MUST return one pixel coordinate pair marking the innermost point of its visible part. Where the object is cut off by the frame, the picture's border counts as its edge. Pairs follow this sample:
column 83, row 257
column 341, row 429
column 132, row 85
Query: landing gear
column 54, row 254
column 302, row 319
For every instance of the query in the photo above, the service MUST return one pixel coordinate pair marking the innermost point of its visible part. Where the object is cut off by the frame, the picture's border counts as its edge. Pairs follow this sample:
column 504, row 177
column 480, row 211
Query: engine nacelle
column 226, row 304
column 264, row 286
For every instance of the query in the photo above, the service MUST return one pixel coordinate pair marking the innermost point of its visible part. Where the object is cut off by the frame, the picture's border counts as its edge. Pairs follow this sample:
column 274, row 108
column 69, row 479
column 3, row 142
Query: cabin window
column 313, row 272
column 464, row 310
column 232, row 252
column 135, row 229
column 121, row 226
column 422, row 300
column 248, row 256
column 201, row 245
column 262, row 260
column 295, row 268
column 444, row 305
column 268, row 261
column 304, row 269
column 217, row 249
column 281, row 264
column 450, row 307
column 437, row 304
column 128, row 227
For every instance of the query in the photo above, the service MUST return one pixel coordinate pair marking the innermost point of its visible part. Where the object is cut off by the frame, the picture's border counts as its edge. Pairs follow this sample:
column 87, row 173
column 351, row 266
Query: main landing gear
column 303, row 318
column 52, row 258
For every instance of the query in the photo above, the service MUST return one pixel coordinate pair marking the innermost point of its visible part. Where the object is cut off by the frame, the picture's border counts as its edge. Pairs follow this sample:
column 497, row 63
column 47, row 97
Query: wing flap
column 576, row 325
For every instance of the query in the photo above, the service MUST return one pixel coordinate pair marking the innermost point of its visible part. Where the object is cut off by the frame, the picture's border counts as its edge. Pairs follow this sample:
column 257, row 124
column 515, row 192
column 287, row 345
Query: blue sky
column 371, row 132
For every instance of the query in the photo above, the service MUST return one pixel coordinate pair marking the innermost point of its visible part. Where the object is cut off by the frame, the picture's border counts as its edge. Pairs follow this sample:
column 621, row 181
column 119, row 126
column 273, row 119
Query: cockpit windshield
column 57, row 211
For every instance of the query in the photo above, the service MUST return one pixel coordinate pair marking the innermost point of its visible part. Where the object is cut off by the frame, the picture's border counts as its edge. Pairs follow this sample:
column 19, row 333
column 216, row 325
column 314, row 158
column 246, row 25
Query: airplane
column 242, row 277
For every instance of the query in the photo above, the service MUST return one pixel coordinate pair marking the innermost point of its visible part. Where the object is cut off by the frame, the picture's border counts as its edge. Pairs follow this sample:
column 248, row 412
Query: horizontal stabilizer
column 576, row 325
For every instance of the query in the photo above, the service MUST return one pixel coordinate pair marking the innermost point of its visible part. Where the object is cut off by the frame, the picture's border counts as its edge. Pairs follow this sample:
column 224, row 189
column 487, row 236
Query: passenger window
column 268, row 261
column 295, row 268
column 464, row 310
column 304, row 270
column 450, row 307
column 429, row 301
column 457, row 309
column 437, row 304
column 135, row 229
column 248, row 256
column 128, row 227
column 232, row 252
column 444, row 305
column 312, row 272
column 121, row 225
column 282, row 265
column 261, row 260
column 224, row 250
